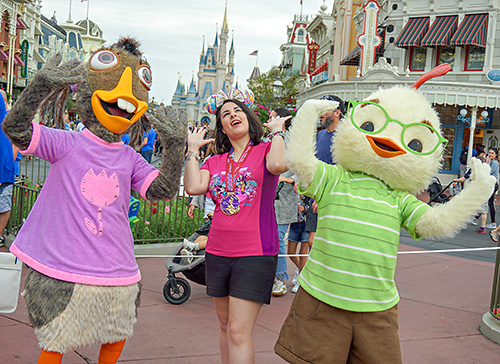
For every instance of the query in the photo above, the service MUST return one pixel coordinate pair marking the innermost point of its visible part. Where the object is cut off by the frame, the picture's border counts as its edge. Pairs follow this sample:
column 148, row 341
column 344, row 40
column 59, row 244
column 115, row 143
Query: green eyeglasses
column 371, row 118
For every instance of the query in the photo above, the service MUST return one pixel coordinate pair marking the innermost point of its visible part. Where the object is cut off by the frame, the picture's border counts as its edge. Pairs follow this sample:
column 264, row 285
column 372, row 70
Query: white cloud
column 171, row 31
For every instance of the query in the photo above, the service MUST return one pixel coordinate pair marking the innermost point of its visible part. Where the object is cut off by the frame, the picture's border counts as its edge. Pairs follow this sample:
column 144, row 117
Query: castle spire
column 224, row 22
column 203, row 47
column 216, row 43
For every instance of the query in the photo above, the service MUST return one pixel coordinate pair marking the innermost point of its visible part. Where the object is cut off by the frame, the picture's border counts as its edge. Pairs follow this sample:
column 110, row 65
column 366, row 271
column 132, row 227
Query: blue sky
column 171, row 31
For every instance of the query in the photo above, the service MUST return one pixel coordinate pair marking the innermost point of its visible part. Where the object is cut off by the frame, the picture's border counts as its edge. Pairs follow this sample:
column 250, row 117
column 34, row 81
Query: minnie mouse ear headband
column 216, row 100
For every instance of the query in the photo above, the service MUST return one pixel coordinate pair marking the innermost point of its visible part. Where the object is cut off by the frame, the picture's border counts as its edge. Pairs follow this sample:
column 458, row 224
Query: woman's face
column 492, row 154
column 272, row 115
column 234, row 121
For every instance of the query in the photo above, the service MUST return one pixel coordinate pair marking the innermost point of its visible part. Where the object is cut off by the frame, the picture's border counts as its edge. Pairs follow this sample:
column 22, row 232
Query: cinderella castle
column 215, row 72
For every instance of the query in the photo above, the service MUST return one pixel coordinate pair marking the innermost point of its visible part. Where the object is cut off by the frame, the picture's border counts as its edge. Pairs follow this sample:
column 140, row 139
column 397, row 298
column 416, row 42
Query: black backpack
column 463, row 156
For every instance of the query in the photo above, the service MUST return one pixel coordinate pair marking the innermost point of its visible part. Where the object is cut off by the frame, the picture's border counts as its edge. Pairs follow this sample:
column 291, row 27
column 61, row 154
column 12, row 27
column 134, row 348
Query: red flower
column 153, row 210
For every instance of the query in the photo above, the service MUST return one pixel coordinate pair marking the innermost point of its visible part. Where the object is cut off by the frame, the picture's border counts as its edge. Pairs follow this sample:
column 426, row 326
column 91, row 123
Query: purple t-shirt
column 253, row 230
column 78, row 230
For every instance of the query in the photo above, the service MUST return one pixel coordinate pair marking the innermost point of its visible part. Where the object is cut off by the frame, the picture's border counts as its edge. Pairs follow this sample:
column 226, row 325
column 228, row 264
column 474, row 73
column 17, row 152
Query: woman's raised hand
column 196, row 139
column 277, row 123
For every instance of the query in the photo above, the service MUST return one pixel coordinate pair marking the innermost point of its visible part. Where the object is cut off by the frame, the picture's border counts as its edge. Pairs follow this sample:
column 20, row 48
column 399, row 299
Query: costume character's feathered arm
column 49, row 81
column 445, row 220
column 171, row 127
column 301, row 144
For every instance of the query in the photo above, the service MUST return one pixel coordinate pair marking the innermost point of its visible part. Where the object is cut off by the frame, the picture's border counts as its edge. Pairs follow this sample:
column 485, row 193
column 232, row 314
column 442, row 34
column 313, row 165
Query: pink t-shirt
column 78, row 230
column 253, row 230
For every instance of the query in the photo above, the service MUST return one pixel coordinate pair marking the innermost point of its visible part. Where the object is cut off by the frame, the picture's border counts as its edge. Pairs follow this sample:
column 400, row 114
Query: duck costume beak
column 118, row 108
column 385, row 147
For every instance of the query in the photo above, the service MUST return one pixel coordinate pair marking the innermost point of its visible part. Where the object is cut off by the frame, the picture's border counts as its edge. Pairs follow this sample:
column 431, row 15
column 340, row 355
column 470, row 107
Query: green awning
column 413, row 32
column 441, row 31
column 472, row 31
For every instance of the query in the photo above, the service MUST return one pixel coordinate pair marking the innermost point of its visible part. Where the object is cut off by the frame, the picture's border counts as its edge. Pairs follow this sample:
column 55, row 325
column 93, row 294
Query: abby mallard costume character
column 387, row 149
column 84, row 285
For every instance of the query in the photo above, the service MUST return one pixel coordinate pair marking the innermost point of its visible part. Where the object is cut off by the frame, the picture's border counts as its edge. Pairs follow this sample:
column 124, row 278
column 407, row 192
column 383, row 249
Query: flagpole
column 69, row 17
column 301, row 6
column 88, row 3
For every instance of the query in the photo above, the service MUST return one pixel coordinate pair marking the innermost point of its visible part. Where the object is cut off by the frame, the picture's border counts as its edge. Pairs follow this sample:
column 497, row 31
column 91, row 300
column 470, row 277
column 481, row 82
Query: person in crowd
column 463, row 160
column 148, row 143
column 285, row 205
column 482, row 213
column 492, row 160
column 126, row 138
column 298, row 235
column 157, row 146
column 198, row 241
column 242, row 246
column 8, row 153
column 329, row 122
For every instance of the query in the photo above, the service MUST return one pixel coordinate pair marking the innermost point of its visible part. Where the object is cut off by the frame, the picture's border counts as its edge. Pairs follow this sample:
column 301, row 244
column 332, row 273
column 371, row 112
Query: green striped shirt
column 353, row 259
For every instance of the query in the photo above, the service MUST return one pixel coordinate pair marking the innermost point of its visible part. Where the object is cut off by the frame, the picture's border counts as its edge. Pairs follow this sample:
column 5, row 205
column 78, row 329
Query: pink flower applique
column 101, row 191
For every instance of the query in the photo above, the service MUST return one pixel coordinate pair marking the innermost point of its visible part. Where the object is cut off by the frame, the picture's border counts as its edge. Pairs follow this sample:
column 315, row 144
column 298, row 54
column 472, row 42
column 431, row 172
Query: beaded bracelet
column 190, row 154
column 275, row 132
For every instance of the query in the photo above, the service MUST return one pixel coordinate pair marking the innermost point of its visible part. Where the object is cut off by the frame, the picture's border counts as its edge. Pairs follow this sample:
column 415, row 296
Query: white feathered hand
column 301, row 144
column 445, row 220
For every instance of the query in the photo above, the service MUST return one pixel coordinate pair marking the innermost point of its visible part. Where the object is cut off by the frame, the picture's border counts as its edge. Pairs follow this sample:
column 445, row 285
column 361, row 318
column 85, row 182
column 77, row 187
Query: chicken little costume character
column 387, row 149
column 84, row 284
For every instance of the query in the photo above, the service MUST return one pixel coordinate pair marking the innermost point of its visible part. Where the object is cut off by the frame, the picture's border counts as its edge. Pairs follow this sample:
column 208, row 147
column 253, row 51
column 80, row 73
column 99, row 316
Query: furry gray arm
column 50, row 79
column 301, row 144
column 446, row 220
column 171, row 127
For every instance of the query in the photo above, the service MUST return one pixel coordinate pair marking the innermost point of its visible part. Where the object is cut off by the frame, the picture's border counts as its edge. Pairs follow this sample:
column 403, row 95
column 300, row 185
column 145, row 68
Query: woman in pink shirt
column 242, row 247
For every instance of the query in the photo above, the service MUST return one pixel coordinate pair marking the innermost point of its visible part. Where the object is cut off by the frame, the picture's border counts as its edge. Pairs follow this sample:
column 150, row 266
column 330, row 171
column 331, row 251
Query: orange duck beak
column 385, row 147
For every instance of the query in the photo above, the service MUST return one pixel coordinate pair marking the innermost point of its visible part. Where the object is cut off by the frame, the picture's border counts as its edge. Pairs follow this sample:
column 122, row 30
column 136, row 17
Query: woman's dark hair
column 222, row 143
column 281, row 111
column 494, row 149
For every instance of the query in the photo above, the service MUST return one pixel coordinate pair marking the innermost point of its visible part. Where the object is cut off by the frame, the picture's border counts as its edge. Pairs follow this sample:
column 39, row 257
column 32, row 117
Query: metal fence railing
column 158, row 221
column 495, row 293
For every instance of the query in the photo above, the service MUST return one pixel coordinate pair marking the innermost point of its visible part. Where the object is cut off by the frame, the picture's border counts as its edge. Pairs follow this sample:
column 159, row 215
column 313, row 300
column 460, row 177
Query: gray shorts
column 6, row 197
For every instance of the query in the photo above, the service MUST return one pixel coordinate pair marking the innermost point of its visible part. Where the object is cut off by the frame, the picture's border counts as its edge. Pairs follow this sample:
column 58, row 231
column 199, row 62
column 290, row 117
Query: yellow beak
column 118, row 108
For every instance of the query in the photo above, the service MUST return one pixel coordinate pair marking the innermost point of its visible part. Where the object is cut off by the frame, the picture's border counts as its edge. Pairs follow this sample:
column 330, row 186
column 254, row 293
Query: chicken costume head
column 393, row 135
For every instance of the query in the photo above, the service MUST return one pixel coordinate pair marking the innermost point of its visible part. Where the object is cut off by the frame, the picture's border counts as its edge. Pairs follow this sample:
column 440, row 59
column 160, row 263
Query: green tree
column 265, row 98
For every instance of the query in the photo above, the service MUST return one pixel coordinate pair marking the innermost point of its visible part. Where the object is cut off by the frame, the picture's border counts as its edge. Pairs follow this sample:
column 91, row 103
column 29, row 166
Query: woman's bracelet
column 275, row 132
column 190, row 154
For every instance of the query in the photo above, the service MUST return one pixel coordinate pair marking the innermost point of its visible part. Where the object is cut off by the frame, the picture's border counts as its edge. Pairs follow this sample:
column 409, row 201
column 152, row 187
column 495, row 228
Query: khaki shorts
column 317, row 333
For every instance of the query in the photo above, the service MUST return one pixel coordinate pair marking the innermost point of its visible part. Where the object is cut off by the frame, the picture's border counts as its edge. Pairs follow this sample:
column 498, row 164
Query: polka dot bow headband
column 216, row 100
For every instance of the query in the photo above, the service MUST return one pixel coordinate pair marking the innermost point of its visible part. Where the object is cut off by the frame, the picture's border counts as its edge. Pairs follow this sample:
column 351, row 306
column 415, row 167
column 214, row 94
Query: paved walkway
column 443, row 299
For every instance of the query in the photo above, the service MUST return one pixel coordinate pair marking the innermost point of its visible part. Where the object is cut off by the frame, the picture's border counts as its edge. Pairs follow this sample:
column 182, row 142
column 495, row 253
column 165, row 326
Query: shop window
column 418, row 56
column 449, row 124
column 445, row 55
column 474, row 58
column 448, row 133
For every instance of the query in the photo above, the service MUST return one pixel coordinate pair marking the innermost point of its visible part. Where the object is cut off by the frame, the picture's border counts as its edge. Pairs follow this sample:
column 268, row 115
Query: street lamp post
column 472, row 120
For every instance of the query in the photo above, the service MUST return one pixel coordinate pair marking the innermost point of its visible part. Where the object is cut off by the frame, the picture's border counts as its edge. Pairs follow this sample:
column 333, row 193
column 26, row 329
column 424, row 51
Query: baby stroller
column 436, row 192
column 177, row 290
